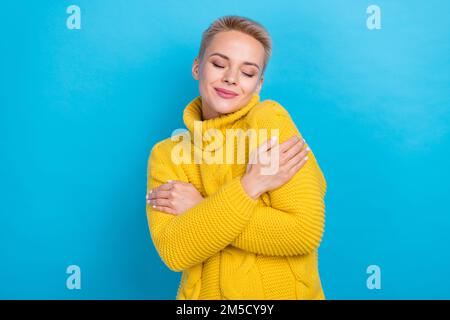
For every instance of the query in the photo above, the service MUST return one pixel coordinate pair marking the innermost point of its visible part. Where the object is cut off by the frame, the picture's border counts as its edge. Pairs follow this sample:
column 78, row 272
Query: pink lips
column 225, row 93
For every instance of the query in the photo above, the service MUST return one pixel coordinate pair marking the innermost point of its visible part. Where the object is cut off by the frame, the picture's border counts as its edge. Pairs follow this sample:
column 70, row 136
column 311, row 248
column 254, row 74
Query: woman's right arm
column 188, row 239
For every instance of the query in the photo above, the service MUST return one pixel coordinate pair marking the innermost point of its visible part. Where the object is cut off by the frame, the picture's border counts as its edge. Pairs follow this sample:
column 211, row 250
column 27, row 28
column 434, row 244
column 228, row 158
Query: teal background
column 81, row 109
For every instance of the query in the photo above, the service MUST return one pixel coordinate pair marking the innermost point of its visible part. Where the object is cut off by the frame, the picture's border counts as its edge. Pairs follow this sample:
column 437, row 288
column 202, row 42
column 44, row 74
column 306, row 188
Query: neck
column 208, row 113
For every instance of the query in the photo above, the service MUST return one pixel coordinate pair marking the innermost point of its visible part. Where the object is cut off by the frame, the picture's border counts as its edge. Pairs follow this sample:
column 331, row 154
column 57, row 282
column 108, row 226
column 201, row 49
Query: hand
column 174, row 197
column 291, row 157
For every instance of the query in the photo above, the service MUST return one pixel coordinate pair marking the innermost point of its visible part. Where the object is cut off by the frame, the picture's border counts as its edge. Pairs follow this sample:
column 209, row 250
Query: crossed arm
column 291, row 225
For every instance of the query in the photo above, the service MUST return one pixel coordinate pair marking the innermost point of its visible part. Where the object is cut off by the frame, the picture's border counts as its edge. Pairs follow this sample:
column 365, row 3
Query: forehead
column 237, row 46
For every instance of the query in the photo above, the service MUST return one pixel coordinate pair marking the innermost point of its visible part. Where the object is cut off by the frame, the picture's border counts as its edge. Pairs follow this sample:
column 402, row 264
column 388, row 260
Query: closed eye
column 246, row 74
column 216, row 65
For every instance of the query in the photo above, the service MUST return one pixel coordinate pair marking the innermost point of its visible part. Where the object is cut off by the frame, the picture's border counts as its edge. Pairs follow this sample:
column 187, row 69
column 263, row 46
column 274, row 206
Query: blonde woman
column 233, row 230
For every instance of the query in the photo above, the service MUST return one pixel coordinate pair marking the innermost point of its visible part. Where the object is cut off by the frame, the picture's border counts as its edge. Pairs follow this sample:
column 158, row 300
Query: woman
column 235, row 231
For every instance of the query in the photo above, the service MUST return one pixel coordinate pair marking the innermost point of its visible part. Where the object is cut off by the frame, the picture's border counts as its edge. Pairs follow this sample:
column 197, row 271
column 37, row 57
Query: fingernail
column 274, row 138
column 306, row 158
column 154, row 206
column 169, row 180
column 307, row 149
column 151, row 191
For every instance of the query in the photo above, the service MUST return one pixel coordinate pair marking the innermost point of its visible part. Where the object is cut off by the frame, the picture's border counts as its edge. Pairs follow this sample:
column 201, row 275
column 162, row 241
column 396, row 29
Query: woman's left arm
column 293, row 224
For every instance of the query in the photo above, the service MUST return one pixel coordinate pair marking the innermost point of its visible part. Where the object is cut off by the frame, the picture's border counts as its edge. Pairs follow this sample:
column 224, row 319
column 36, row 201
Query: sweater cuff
column 238, row 200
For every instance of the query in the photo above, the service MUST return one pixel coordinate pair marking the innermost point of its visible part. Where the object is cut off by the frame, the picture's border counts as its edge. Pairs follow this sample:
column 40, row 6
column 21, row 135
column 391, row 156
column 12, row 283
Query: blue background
column 81, row 109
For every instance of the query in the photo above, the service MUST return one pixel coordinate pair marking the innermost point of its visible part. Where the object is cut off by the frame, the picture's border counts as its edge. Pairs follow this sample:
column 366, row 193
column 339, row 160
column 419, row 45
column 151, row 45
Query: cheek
column 249, row 84
column 211, row 74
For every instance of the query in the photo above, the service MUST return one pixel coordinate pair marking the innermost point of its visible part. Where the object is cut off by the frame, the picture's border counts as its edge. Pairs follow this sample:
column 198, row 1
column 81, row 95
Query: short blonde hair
column 242, row 24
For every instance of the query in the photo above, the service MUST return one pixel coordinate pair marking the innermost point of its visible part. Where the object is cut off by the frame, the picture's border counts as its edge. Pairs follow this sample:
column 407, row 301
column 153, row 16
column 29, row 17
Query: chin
column 225, row 106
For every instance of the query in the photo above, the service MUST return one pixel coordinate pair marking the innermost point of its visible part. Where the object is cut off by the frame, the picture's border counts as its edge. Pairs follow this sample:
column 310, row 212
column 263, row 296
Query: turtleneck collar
column 193, row 112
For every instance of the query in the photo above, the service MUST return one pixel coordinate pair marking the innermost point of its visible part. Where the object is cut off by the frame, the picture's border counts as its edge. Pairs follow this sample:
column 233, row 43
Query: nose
column 230, row 77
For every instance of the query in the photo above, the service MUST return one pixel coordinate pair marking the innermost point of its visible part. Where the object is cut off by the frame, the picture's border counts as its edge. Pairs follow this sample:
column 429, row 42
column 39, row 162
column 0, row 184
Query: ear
column 195, row 69
column 259, row 85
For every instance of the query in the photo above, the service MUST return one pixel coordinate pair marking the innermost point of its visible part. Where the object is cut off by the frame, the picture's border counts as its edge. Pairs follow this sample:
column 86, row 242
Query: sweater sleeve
column 188, row 239
column 293, row 224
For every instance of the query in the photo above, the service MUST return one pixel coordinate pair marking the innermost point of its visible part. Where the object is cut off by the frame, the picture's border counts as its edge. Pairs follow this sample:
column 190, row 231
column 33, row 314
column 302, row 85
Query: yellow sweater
column 230, row 246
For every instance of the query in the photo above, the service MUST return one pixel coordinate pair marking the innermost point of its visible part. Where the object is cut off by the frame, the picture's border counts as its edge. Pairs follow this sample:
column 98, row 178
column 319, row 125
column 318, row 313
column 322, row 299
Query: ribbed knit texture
column 230, row 246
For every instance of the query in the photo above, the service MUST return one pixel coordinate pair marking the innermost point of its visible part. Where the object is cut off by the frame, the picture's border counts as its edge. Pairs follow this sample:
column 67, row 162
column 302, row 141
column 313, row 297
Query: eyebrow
column 225, row 57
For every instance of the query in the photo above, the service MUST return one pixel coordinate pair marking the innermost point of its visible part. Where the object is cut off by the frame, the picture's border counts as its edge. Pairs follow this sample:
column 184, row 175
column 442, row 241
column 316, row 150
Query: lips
column 225, row 93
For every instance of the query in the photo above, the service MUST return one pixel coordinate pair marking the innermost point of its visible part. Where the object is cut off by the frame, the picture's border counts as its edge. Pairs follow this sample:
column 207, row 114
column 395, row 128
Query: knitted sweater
column 230, row 246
